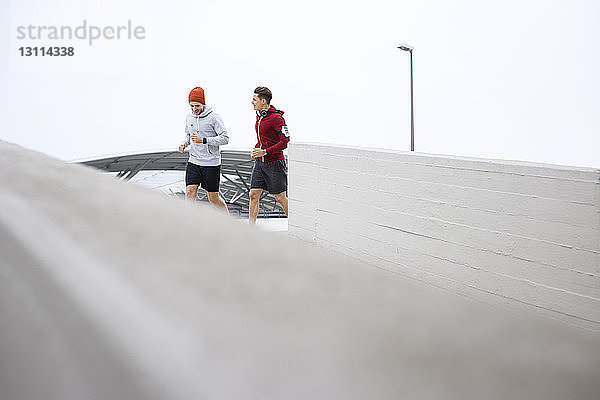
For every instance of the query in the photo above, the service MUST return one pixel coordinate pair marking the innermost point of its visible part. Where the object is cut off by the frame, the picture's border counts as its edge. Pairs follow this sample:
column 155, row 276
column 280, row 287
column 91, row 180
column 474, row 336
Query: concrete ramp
column 111, row 291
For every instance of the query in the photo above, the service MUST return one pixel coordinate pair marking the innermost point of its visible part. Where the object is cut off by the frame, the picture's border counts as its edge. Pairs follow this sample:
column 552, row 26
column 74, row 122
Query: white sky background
column 493, row 79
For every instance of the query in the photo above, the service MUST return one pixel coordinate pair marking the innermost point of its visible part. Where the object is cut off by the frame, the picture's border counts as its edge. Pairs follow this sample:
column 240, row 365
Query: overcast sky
column 494, row 79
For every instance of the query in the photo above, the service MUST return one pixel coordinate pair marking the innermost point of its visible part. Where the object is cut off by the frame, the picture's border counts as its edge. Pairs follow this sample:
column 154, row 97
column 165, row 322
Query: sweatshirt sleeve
column 186, row 139
column 222, row 137
column 283, row 134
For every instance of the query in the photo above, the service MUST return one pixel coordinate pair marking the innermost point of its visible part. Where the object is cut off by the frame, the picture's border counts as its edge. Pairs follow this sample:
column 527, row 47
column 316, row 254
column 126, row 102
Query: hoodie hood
column 274, row 110
column 207, row 110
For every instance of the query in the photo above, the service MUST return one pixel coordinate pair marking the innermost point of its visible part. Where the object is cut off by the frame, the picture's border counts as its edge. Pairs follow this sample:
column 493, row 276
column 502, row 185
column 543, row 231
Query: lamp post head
column 405, row 47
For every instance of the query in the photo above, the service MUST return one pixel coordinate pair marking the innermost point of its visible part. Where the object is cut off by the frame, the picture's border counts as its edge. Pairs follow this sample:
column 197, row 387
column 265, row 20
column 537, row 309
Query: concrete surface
column 111, row 291
column 508, row 230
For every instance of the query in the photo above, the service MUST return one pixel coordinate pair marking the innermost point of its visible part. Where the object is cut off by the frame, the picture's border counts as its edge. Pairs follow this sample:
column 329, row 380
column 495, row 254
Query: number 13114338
column 47, row 51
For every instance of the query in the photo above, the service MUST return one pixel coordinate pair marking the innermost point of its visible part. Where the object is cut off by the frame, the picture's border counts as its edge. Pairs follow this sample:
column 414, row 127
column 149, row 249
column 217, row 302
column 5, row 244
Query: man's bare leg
column 191, row 191
column 282, row 199
column 254, row 202
column 217, row 201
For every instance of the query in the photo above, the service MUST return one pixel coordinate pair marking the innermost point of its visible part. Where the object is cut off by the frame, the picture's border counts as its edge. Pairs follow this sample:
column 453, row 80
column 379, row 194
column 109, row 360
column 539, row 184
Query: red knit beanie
column 197, row 94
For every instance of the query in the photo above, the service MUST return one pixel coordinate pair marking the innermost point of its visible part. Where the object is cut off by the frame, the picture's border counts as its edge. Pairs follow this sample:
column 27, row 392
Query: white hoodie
column 207, row 124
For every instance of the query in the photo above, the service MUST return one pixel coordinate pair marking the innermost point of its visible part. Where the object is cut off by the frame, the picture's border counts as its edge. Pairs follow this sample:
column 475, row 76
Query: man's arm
column 222, row 137
column 284, row 137
column 186, row 139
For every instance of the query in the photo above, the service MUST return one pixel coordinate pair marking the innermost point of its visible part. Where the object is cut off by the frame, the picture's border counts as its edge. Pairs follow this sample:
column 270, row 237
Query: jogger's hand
column 256, row 152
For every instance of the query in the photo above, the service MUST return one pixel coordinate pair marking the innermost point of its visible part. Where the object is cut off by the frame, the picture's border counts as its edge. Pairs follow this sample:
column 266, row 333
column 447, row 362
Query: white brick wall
column 522, row 231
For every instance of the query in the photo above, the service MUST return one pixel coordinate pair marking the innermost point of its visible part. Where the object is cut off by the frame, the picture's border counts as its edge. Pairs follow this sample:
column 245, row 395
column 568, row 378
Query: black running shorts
column 207, row 177
column 271, row 176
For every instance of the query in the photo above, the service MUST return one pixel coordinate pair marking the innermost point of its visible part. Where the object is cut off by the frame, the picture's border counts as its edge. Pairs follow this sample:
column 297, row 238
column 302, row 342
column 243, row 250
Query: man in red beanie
column 204, row 133
column 270, row 170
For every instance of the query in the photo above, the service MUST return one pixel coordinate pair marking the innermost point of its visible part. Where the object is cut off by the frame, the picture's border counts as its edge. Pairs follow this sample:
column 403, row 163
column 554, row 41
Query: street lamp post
column 406, row 47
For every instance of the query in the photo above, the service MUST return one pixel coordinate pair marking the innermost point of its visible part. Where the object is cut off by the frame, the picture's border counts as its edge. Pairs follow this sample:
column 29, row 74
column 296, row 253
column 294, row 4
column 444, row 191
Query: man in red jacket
column 269, row 171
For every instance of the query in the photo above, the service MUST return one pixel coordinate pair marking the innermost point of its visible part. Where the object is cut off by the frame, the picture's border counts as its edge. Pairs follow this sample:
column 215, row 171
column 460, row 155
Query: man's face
column 197, row 107
column 258, row 103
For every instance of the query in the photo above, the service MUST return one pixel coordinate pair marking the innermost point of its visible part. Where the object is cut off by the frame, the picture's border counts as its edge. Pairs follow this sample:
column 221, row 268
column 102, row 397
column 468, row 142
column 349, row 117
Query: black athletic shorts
column 271, row 175
column 207, row 177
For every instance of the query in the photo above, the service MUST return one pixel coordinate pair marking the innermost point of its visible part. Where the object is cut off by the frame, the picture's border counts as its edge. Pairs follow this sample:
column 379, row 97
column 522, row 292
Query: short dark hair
column 264, row 93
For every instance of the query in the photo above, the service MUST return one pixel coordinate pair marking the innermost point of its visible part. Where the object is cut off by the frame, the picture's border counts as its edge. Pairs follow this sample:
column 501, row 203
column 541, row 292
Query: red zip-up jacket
column 272, row 133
